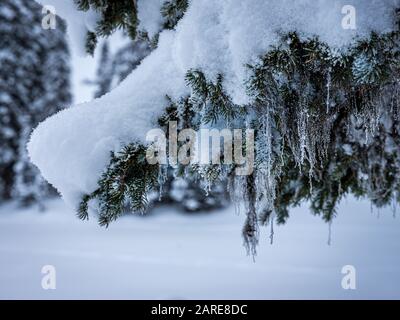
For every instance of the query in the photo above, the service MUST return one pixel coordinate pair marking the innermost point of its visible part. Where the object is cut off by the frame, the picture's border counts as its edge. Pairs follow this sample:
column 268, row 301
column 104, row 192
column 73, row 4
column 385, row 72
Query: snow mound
column 73, row 147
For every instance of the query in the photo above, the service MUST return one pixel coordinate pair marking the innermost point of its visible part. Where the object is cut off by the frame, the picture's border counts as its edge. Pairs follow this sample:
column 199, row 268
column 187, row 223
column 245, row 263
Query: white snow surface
column 72, row 148
column 169, row 255
column 150, row 18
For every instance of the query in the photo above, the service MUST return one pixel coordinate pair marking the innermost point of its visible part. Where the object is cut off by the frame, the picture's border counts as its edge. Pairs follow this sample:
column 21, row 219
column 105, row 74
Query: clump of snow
column 222, row 36
column 72, row 148
column 91, row 19
column 150, row 18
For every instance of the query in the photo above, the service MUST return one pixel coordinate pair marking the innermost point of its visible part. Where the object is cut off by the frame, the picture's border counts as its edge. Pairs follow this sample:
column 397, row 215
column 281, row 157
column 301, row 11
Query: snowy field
column 170, row 255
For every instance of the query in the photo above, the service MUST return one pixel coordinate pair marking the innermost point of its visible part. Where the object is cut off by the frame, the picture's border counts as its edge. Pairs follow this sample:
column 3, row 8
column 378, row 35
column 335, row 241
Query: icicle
column 236, row 205
column 271, row 235
column 207, row 187
column 269, row 141
column 282, row 152
column 328, row 88
column 302, row 127
column 236, row 194
column 162, row 178
column 266, row 177
column 366, row 135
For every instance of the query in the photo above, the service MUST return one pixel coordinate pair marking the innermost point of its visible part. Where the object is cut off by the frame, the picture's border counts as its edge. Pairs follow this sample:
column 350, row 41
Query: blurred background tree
column 34, row 83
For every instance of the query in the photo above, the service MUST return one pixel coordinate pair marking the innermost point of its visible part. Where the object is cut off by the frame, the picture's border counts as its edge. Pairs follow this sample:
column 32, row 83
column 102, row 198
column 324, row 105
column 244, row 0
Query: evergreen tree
column 310, row 109
column 326, row 125
column 34, row 84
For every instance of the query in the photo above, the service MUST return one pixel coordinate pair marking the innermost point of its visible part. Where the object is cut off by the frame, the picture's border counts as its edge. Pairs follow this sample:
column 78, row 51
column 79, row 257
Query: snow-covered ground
column 171, row 255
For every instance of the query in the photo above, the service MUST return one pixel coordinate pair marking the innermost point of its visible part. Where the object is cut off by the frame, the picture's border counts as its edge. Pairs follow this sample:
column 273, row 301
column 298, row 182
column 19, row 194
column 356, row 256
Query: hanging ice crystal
column 236, row 189
column 271, row 235
column 265, row 175
column 302, row 132
column 162, row 178
column 328, row 90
